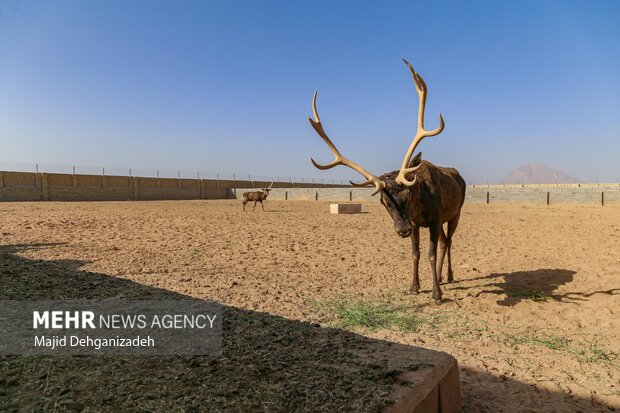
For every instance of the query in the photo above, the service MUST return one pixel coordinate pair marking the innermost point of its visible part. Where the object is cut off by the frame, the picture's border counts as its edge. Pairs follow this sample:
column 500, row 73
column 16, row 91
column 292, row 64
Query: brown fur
column 256, row 196
column 436, row 198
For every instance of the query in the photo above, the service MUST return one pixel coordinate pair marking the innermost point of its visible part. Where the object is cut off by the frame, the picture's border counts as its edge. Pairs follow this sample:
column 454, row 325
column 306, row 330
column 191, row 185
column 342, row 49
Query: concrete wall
column 558, row 194
column 30, row 186
column 594, row 194
column 314, row 194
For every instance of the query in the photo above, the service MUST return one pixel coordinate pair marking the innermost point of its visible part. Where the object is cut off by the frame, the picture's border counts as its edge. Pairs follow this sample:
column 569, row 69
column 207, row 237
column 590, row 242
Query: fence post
column 547, row 197
column 316, row 195
column 602, row 198
column 350, row 195
column 286, row 195
column 487, row 197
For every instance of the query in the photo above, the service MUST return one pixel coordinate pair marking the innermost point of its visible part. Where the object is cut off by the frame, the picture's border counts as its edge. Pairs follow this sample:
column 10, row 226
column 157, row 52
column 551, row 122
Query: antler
column 341, row 160
column 420, row 87
column 270, row 185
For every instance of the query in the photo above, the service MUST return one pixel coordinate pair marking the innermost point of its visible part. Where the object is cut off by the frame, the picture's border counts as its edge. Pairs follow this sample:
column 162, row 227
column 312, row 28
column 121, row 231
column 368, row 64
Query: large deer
column 420, row 194
column 256, row 196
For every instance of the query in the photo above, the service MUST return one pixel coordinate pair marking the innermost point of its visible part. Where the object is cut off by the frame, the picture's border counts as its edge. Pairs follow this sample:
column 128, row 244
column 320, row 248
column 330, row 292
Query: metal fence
column 161, row 173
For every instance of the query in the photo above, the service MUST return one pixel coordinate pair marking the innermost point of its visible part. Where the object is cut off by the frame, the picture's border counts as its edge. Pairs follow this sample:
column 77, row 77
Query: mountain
column 535, row 173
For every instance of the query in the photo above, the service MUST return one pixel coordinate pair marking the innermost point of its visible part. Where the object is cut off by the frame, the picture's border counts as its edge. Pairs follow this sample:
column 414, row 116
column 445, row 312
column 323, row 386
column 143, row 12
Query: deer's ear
column 415, row 161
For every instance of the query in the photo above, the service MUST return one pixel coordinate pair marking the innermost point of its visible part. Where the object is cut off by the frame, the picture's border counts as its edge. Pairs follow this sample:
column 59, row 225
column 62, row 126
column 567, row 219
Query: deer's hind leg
column 415, row 253
column 452, row 224
column 434, row 229
column 443, row 247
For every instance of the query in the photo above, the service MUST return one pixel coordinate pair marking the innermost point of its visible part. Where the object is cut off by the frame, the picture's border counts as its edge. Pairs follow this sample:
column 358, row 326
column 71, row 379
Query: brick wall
column 30, row 186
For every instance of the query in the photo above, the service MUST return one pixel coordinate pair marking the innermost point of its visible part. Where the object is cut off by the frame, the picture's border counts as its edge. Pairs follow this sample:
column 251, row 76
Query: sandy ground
column 533, row 317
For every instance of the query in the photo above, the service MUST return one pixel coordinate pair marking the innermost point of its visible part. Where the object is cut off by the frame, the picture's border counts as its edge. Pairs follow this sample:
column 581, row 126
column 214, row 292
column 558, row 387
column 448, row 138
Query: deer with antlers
column 256, row 196
column 420, row 194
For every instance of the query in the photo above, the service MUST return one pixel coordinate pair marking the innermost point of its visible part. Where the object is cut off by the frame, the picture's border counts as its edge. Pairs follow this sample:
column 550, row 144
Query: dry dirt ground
column 533, row 317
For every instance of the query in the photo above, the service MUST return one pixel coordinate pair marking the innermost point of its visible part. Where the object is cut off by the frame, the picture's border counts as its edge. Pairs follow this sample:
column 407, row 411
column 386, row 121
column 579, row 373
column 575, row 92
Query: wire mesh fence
column 163, row 173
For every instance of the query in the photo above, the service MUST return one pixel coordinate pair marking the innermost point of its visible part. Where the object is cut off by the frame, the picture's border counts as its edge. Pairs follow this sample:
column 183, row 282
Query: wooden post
column 350, row 195
column 602, row 198
column 286, row 195
column 316, row 196
column 547, row 197
column 487, row 197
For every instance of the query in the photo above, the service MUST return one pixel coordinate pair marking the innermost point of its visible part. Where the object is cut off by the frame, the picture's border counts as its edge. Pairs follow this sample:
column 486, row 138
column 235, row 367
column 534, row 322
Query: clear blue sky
column 227, row 86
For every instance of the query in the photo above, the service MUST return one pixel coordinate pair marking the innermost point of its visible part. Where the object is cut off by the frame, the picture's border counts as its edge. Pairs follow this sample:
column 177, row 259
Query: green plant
column 533, row 294
column 376, row 316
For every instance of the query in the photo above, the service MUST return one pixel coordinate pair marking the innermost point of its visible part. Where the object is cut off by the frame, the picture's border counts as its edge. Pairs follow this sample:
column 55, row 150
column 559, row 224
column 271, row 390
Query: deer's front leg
column 415, row 252
column 432, row 257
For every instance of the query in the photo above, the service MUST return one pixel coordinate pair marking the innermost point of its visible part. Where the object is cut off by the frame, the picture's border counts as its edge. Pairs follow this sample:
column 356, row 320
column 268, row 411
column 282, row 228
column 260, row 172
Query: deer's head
column 396, row 188
column 266, row 190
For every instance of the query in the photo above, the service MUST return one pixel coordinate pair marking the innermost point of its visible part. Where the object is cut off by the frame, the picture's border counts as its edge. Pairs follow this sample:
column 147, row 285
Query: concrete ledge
column 345, row 208
column 433, row 386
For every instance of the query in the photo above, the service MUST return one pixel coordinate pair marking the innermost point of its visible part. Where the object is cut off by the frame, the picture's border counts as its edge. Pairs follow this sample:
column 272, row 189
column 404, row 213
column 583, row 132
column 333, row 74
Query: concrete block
column 345, row 208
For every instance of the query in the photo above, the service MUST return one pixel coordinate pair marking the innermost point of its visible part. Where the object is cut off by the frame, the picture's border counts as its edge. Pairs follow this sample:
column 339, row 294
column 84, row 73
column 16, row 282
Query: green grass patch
column 590, row 353
column 374, row 316
column 549, row 341
column 533, row 294
column 594, row 353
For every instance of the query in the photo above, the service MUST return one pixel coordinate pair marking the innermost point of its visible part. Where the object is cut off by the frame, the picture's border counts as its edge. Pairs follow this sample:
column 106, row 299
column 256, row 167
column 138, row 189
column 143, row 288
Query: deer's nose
column 404, row 233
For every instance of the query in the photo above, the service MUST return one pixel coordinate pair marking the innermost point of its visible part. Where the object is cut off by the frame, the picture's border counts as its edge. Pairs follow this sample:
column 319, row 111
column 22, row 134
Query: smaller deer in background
column 256, row 196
